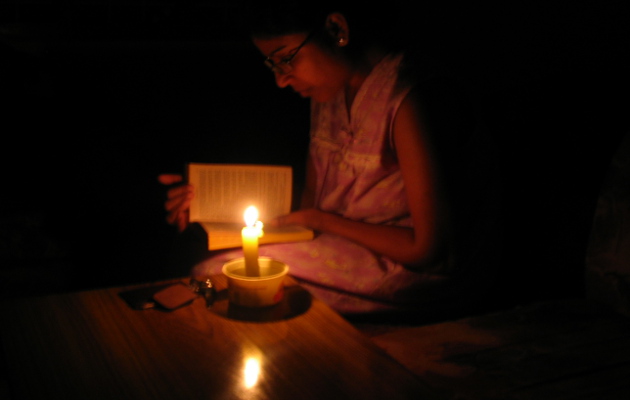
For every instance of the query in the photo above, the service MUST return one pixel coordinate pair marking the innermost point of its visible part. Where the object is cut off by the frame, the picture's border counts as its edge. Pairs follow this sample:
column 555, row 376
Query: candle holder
column 265, row 289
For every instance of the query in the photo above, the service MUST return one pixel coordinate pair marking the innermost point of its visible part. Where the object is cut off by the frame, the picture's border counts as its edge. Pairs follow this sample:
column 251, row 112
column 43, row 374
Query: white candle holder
column 264, row 290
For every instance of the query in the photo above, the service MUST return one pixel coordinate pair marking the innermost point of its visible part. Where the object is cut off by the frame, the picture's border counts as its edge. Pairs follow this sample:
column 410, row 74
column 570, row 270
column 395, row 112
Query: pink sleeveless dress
column 358, row 177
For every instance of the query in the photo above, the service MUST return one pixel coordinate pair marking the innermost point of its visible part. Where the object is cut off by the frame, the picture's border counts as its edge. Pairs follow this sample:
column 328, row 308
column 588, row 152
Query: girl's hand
column 308, row 218
column 178, row 199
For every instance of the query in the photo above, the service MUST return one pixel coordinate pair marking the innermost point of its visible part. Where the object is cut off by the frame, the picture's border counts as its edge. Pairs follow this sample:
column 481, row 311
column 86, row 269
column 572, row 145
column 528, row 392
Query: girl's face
column 314, row 71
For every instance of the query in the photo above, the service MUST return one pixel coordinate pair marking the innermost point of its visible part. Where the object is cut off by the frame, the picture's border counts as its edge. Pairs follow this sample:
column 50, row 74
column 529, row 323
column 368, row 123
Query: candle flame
column 251, row 215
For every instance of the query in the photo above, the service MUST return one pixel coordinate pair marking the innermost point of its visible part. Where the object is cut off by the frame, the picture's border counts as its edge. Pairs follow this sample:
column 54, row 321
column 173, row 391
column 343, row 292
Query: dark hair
column 369, row 24
column 285, row 17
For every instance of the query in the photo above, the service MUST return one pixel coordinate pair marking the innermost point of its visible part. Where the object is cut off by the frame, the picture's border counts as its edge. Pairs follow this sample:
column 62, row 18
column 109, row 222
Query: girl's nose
column 282, row 80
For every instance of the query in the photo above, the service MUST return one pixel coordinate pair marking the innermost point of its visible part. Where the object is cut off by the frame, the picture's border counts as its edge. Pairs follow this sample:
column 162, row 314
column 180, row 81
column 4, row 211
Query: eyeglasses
column 284, row 66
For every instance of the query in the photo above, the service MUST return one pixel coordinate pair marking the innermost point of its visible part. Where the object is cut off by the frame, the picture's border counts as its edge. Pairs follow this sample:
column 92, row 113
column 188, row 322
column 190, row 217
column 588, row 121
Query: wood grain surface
column 93, row 345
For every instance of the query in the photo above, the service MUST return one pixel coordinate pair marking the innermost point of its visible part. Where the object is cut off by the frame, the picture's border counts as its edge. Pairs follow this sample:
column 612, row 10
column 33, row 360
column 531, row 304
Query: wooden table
column 92, row 345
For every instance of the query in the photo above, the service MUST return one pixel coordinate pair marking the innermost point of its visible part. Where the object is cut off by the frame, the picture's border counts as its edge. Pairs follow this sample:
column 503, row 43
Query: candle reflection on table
column 252, row 371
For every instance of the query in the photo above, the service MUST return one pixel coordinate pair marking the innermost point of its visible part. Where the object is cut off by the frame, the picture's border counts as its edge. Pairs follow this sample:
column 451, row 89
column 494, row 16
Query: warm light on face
column 251, row 215
column 251, row 372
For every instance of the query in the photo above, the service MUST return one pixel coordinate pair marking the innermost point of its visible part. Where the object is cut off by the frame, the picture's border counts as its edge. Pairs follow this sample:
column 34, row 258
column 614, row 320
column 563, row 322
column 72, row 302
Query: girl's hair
column 276, row 18
column 369, row 24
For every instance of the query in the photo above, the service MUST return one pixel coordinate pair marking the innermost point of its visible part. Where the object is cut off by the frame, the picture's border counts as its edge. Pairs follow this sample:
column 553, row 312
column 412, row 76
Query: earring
column 341, row 42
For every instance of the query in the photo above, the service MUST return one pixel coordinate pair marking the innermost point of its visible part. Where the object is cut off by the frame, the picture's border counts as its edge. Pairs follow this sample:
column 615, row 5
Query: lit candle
column 250, row 234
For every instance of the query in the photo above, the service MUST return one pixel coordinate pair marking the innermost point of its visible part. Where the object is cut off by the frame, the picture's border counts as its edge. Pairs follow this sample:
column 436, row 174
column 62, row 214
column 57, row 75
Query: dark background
column 102, row 96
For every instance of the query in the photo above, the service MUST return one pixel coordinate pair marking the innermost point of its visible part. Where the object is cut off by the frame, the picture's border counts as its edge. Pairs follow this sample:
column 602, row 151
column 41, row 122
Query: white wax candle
column 250, row 234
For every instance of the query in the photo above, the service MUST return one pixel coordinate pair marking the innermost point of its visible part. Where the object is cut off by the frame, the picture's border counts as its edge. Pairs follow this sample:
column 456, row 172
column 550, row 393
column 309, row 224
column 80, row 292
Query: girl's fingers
column 170, row 179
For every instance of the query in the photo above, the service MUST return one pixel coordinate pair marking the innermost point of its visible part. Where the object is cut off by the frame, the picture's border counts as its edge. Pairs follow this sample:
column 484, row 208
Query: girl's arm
column 411, row 246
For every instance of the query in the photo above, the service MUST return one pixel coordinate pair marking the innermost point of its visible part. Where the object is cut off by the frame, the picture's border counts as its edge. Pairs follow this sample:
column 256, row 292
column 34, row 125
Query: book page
column 224, row 191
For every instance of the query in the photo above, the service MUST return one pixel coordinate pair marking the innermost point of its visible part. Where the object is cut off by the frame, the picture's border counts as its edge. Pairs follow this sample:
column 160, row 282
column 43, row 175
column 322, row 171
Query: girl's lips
column 302, row 92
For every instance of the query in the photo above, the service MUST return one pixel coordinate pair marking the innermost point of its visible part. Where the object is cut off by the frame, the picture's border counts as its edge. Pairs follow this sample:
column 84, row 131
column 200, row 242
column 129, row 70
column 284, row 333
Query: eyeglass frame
column 284, row 66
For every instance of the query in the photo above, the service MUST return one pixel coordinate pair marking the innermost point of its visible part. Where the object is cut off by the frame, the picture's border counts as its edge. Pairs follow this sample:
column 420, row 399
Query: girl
column 371, row 190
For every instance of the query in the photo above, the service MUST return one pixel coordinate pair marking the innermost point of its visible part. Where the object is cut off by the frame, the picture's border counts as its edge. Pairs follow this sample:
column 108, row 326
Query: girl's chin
column 320, row 97
column 319, row 94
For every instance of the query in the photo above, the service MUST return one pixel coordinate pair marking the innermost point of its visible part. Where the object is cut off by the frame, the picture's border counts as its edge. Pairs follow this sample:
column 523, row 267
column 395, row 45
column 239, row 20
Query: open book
column 224, row 191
